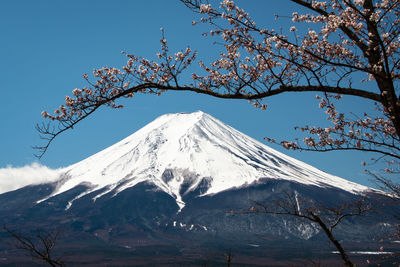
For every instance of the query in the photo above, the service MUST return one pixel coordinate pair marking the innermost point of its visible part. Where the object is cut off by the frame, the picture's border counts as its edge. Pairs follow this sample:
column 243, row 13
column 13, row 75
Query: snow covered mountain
column 168, row 188
column 179, row 152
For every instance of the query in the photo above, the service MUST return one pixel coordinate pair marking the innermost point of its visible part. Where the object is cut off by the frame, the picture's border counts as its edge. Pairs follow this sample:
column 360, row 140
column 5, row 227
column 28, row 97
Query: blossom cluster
column 111, row 83
column 366, row 133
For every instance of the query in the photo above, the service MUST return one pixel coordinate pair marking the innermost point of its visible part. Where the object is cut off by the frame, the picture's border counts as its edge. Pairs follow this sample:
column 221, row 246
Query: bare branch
column 41, row 251
column 326, row 217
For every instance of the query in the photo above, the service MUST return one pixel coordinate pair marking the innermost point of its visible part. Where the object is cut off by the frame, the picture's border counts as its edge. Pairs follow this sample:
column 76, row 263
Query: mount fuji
column 180, row 152
column 169, row 186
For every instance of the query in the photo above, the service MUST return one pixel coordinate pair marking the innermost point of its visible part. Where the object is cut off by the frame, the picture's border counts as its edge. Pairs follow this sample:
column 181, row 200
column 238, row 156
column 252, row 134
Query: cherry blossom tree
column 334, row 48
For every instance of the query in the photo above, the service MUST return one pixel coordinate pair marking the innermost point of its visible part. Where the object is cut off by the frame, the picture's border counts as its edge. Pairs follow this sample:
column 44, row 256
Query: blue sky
column 47, row 45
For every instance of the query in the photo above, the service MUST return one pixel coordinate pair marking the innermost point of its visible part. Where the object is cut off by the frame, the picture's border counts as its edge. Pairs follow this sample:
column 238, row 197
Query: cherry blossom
column 341, row 42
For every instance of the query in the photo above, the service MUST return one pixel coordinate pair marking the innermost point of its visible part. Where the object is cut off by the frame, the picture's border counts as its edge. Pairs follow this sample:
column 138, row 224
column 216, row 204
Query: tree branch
column 47, row 243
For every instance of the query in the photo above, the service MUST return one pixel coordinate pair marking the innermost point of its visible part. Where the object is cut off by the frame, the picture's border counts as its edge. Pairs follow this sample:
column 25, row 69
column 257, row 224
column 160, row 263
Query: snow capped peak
column 184, row 152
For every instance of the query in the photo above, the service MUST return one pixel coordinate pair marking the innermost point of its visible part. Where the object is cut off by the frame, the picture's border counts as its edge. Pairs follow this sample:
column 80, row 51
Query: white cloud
column 12, row 178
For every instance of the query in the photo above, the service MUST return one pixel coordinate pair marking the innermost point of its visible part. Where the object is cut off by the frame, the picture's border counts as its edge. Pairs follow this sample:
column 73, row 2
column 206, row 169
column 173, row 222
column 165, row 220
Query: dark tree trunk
column 337, row 244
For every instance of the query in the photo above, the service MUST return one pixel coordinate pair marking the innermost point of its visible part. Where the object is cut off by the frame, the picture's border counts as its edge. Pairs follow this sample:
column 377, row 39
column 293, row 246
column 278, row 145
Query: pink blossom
column 205, row 8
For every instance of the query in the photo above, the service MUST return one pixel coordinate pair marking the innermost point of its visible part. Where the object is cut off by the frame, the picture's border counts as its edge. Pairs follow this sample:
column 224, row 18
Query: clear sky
column 47, row 45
